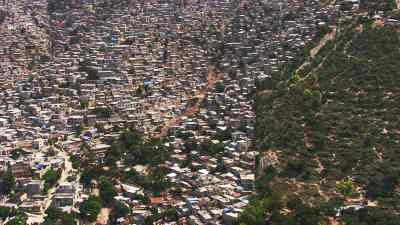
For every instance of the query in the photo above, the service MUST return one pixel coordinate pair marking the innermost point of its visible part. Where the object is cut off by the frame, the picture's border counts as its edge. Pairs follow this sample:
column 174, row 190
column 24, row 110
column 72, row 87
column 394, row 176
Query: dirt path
column 63, row 178
column 212, row 78
column 322, row 43
column 103, row 216
column 34, row 218
column 316, row 49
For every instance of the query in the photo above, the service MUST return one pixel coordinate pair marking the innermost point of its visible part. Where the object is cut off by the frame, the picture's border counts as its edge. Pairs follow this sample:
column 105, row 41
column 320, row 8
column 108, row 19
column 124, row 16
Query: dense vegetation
column 57, row 5
column 132, row 149
column 120, row 210
column 50, row 179
column 7, row 181
column 3, row 16
column 57, row 217
column 90, row 208
column 129, row 149
column 378, row 5
column 155, row 181
column 333, row 128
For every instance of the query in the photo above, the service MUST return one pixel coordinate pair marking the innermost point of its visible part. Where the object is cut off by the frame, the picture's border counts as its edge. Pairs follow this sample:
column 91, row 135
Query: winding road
column 39, row 218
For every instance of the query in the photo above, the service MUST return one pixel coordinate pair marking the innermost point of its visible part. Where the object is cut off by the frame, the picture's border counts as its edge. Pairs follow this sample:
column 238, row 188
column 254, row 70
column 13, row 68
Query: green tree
column 140, row 90
column 92, row 73
column 156, row 181
column 382, row 186
column 263, row 207
column 171, row 214
column 190, row 145
column 87, row 176
column 392, row 4
column 149, row 220
column 4, row 212
column 212, row 29
column 107, row 190
column 55, row 216
column 119, row 210
column 211, row 148
column 67, row 219
column 130, row 138
column 254, row 214
column 144, row 199
column 220, row 165
column 3, row 16
column 219, row 87
column 346, row 188
column 130, row 176
column 78, row 130
column 17, row 220
column 17, row 153
column 90, row 208
column 76, row 162
column 113, row 155
column 30, row 78
column 83, row 103
column 51, row 177
column 7, row 181
column 103, row 112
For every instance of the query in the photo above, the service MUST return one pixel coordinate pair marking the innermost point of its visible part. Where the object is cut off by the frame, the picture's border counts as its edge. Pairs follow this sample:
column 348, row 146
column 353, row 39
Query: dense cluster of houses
column 81, row 74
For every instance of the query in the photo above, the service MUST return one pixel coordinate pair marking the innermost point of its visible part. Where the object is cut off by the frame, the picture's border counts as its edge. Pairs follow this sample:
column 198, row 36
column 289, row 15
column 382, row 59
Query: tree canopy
column 119, row 210
column 90, row 208
column 107, row 190
column 328, row 121
column 7, row 181
column 55, row 216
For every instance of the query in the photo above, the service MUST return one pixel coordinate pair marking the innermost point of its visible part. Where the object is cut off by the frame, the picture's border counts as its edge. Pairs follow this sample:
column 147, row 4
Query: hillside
column 329, row 131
